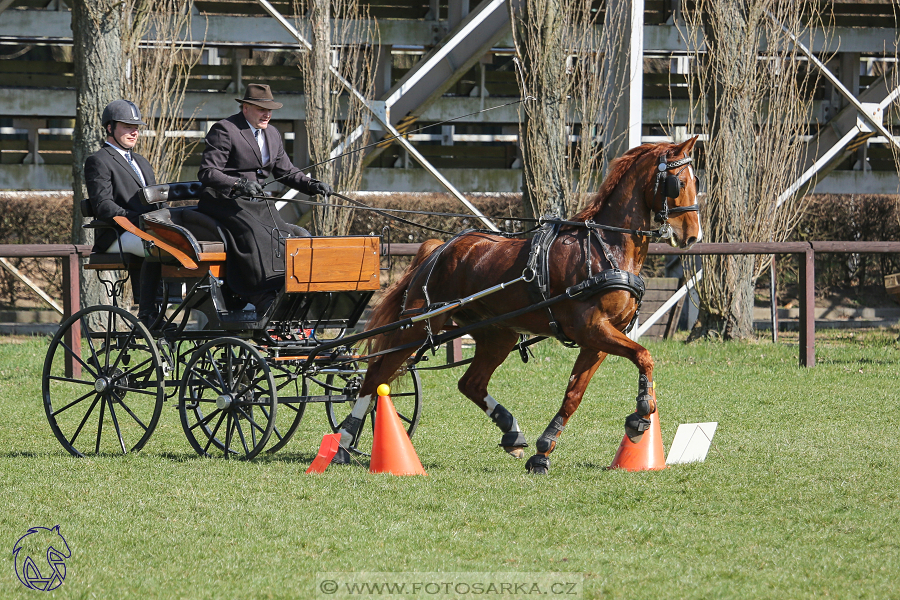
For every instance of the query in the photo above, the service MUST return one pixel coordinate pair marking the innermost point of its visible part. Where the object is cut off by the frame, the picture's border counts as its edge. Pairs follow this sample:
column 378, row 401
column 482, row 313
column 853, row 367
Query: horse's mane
column 617, row 170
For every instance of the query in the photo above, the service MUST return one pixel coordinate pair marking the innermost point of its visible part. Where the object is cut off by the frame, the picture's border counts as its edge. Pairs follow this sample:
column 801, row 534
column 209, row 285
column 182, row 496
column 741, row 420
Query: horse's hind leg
column 491, row 349
column 381, row 370
column 585, row 366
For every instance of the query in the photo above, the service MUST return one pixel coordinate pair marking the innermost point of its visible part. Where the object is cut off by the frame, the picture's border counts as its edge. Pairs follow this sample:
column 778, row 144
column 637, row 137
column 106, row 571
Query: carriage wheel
column 109, row 399
column 289, row 413
column 406, row 395
column 227, row 400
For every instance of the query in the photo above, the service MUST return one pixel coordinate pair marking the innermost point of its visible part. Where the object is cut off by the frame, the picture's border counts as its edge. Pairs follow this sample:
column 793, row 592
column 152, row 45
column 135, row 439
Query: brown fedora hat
column 260, row 95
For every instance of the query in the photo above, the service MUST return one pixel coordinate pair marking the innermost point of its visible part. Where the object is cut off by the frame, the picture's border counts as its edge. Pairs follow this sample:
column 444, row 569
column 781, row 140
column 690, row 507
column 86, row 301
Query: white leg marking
column 491, row 405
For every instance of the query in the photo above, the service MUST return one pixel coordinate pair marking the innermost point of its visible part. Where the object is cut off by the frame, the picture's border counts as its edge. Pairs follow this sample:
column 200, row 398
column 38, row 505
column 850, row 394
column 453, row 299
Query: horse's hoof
column 514, row 443
column 341, row 457
column 538, row 465
column 635, row 426
column 515, row 451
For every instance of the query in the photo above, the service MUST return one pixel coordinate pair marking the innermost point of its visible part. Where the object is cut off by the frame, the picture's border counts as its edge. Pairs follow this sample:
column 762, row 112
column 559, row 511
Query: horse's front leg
column 616, row 342
column 585, row 366
column 491, row 349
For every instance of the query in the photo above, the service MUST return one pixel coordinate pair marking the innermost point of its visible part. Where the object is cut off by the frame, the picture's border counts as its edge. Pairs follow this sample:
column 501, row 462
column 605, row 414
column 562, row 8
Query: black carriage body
column 243, row 380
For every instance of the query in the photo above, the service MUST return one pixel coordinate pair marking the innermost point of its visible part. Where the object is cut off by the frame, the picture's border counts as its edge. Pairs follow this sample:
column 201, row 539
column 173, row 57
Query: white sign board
column 691, row 443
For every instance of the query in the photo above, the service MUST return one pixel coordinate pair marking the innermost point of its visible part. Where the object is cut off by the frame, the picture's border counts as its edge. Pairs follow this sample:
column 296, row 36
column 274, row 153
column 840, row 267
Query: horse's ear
column 686, row 146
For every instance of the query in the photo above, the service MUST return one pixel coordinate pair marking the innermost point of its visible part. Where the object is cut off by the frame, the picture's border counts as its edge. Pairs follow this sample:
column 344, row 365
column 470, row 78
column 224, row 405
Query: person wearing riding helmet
column 114, row 175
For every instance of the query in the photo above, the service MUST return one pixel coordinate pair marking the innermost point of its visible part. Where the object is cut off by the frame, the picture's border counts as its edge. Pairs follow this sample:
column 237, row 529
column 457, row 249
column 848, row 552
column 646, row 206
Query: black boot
column 148, row 309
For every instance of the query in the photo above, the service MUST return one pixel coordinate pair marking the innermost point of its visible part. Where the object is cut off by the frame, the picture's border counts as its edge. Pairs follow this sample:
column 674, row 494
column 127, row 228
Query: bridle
column 670, row 186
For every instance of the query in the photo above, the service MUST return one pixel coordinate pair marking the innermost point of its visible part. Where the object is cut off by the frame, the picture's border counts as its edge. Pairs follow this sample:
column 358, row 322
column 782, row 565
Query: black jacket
column 254, row 231
column 232, row 152
column 114, row 190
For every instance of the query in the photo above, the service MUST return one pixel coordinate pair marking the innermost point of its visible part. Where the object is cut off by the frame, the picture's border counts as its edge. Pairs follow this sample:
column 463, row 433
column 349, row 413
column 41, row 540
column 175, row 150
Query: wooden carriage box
column 892, row 285
column 332, row 264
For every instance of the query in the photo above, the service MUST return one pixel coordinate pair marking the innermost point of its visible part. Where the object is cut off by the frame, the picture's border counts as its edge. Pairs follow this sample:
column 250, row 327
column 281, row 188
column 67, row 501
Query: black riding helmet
column 123, row 111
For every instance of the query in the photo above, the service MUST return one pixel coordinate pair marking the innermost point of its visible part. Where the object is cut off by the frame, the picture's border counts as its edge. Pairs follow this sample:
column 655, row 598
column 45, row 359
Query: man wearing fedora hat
column 242, row 151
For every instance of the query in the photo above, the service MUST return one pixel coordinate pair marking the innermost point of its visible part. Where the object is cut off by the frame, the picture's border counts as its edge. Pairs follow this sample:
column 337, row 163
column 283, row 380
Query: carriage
column 243, row 380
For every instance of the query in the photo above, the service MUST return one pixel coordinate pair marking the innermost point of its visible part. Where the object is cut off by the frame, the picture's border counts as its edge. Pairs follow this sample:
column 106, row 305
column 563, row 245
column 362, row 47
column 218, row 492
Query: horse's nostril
column 691, row 241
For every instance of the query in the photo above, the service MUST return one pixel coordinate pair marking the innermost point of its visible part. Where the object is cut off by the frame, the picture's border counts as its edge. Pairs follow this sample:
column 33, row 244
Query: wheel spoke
column 100, row 424
column 133, row 416
column 195, row 375
column 131, row 370
column 84, row 420
column 228, row 433
column 240, row 431
column 250, row 420
column 215, row 430
column 70, row 380
column 205, row 419
column 123, row 350
column 90, row 340
column 275, row 430
column 73, row 402
column 112, row 413
column 78, row 358
column 109, row 329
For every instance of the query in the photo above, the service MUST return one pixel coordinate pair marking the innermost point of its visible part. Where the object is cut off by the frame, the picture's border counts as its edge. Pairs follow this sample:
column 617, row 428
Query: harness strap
column 539, row 266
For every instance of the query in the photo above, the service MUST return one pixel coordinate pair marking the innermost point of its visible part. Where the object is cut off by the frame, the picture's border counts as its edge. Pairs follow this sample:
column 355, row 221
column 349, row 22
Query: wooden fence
column 805, row 251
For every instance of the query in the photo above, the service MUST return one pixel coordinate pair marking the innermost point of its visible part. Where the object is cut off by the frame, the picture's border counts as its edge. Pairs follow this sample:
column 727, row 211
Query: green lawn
column 798, row 498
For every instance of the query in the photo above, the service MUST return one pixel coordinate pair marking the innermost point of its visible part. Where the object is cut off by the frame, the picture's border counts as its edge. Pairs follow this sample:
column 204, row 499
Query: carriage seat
column 185, row 227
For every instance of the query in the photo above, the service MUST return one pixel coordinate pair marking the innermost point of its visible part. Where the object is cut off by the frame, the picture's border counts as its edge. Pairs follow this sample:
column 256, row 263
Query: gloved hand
column 245, row 187
column 319, row 187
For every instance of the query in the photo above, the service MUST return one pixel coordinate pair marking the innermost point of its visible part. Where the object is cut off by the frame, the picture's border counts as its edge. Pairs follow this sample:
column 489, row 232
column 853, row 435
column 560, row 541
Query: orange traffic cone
column 392, row 451
column 646, row 455
column 327, row 450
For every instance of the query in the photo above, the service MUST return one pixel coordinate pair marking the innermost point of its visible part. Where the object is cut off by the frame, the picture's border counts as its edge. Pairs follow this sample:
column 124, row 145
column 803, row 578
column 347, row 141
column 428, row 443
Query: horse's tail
column 388, row 308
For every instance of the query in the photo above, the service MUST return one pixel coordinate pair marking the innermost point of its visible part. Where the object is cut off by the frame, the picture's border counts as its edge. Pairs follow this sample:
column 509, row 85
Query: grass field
column 799, row 497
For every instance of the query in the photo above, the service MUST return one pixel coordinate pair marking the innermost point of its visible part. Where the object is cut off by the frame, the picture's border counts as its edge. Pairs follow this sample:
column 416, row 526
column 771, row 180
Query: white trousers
column 131, row 244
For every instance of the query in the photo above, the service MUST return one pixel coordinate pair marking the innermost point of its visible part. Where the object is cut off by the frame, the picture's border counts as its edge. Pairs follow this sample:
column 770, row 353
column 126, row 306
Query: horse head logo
column 50, row 549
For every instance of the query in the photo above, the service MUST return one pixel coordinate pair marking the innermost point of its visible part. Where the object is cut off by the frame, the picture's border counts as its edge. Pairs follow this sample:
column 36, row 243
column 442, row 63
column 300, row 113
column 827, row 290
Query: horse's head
column 672, row 197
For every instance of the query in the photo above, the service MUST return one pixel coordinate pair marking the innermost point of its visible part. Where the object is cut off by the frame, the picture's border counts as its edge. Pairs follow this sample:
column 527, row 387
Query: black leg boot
column 148, row 309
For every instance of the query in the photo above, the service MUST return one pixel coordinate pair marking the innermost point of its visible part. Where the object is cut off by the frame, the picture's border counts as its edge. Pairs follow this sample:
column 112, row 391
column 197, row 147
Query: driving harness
column 538, row 266
column 537, row 269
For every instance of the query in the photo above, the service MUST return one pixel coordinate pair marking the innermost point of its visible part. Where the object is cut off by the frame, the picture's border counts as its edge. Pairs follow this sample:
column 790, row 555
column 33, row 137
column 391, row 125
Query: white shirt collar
column 117, row 149
column 252, row 128
column 263, row 144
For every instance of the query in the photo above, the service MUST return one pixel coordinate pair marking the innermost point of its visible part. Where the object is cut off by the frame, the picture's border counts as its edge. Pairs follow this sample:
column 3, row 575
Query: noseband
column 669, row 185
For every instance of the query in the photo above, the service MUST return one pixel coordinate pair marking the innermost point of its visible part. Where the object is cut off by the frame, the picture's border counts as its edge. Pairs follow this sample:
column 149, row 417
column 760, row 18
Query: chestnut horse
column 652, row 182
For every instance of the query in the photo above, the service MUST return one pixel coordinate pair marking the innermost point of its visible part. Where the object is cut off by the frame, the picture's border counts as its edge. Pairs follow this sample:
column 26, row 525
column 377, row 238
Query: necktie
column 260, row 141
column 135, row 168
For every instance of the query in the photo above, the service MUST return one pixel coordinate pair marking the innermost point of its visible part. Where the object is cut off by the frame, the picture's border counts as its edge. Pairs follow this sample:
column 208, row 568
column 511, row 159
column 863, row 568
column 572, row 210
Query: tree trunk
column 96, row 33
column 319, row 117
column 539, row 36
column 726, row 309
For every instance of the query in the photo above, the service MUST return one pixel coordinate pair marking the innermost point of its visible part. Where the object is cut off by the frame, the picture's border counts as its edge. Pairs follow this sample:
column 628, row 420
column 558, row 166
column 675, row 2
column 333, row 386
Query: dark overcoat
column 254, row 231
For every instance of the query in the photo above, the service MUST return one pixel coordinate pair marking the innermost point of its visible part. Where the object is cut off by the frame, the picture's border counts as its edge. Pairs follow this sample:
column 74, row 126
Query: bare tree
column 539, row 35
column 157, row 77
column 337, row 123
column 96, row 35
column 561, row 51
column 756, row 94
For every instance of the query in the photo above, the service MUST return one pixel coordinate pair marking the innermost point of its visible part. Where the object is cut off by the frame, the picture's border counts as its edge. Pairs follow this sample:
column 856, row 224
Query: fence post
column 808, row 308
column 71, row 305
